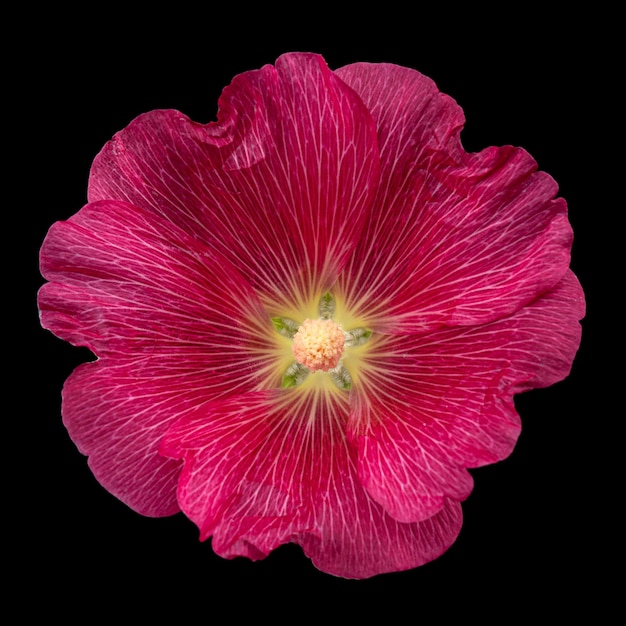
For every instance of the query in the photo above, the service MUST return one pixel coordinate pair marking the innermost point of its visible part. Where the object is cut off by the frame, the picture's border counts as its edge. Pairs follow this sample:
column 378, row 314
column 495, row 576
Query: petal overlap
column 429, row 406
column 274, row 467
column 458, row 238
column 161, row 311
column 281, row 185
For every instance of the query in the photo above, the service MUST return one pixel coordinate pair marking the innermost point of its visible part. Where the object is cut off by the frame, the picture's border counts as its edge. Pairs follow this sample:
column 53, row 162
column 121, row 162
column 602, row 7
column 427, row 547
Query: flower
column 312, row 315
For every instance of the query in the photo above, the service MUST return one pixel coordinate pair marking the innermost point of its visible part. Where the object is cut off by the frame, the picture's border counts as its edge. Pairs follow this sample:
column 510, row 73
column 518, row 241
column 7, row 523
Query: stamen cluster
column 318, row 344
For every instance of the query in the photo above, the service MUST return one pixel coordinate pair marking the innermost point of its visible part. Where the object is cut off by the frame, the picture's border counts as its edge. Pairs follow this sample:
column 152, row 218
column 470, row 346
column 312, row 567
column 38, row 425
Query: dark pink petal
column 174, row 324
column 456, row 238
column 280, row 185
column 116, row 414
column 430, row 406
column 274, row 467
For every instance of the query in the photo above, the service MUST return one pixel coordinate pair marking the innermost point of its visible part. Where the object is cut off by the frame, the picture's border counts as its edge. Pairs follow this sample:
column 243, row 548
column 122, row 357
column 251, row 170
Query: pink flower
column 312, row 315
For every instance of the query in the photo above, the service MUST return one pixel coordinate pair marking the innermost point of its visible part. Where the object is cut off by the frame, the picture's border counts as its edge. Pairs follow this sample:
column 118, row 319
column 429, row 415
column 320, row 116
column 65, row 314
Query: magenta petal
column 280, row 185
column 457, row 238
column 432, row 405
column 116, row 416
column 274, row 467
column 162, row 312
column 125, row 282
column 406, row 470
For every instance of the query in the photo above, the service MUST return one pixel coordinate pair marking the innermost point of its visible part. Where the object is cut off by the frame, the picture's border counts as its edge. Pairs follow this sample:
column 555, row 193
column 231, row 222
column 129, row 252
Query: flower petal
column 175, row 326
column 280, row 185
column 116, row 415
column 427, row 407
column 457, row 238
column 275, row 467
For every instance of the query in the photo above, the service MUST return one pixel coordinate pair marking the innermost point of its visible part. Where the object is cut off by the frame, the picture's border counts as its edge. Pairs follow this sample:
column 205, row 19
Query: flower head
column 312, row 315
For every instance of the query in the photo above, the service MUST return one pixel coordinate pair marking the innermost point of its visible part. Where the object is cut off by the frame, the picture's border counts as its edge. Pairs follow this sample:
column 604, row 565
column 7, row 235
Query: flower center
column 318, row 344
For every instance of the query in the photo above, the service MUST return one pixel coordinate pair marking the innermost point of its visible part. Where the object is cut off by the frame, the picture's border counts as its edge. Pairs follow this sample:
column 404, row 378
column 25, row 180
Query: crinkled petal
column 457, row 238
column 426, row 407
column 274, row 467
column 174, row 324
column 280, row 185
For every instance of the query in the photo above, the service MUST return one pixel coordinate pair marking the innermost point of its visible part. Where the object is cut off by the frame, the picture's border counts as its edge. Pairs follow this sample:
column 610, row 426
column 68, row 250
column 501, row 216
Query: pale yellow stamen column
column 318, row 344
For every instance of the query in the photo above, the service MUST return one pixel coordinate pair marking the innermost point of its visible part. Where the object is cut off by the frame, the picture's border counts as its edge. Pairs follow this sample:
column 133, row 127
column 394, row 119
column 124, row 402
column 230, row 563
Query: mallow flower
column 312, row 315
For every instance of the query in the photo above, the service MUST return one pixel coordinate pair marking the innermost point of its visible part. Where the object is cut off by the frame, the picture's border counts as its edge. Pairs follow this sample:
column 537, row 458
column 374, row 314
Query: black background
column 541, row 528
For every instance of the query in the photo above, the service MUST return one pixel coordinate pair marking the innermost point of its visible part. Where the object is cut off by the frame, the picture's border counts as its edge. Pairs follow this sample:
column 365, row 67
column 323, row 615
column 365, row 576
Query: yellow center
column 318, row 344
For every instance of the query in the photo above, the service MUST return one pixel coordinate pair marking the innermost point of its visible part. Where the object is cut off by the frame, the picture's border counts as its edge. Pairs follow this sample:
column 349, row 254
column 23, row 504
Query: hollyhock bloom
column 312, row 315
